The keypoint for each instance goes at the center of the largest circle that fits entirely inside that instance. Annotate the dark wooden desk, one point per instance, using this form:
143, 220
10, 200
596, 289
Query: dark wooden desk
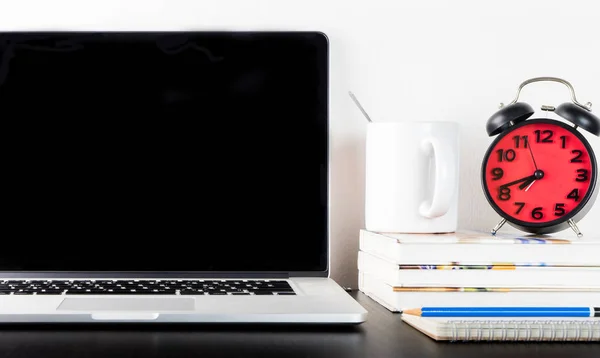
383, 335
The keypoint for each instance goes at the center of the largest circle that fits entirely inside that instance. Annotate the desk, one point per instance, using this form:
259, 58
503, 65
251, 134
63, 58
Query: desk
383, 335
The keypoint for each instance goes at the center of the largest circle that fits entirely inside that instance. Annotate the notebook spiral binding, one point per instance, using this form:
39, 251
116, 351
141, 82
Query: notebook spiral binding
525, 330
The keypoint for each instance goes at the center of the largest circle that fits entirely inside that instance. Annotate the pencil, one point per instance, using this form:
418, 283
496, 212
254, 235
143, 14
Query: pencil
504, 312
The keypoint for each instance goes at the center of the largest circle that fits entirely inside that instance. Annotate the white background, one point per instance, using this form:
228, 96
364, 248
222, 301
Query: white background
405, 60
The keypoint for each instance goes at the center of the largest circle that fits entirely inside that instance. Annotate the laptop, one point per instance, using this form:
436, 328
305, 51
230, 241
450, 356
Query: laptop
166, 177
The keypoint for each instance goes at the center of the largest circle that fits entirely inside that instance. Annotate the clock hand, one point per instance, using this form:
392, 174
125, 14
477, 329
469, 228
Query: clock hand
530, 185
525, 184
539, 174
526, 179
532, 157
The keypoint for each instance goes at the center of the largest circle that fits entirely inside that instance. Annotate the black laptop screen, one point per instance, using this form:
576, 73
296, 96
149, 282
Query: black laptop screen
164, 151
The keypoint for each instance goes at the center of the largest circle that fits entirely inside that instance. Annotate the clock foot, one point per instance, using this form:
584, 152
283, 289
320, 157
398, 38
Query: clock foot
498, 226
575, 228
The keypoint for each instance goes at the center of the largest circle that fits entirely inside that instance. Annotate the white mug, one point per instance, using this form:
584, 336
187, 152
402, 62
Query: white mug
412, 174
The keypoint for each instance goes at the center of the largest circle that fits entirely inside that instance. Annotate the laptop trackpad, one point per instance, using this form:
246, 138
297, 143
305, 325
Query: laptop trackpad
156, 304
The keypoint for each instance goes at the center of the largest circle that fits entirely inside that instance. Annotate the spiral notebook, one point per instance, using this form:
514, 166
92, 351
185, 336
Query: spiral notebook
501, 329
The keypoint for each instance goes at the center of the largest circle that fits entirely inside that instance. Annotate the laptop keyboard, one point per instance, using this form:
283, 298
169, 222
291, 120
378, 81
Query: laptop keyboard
145, 287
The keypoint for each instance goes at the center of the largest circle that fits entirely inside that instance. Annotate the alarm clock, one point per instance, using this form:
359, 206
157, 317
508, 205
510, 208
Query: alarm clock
540, 175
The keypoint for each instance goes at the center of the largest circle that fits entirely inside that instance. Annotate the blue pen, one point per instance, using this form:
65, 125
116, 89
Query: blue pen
504, 312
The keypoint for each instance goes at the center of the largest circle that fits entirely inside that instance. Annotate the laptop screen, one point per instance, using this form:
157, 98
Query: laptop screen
164, 151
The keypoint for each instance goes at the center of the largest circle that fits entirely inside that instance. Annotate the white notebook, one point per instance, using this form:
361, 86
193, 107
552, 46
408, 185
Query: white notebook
499, 329
478, 248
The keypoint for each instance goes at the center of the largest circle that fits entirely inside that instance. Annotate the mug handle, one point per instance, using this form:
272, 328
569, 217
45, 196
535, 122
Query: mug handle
445, 177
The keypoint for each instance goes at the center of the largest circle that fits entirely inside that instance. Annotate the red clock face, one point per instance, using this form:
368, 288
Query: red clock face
538, 172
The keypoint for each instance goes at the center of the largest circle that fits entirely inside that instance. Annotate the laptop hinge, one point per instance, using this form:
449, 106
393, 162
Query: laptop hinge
141, 275
309, 274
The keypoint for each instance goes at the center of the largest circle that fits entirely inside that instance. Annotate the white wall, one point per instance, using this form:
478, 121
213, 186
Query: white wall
405, 60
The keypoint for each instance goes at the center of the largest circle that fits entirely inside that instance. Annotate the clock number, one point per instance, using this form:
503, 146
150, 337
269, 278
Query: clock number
548, 136
509, 155
498, 173
504, 194
574, 194
520, 205
563, 140
518, 140
578, 155
537, 213
559, 209
582, 175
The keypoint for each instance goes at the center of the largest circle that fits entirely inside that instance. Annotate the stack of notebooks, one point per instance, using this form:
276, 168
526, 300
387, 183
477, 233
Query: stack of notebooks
475, 269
